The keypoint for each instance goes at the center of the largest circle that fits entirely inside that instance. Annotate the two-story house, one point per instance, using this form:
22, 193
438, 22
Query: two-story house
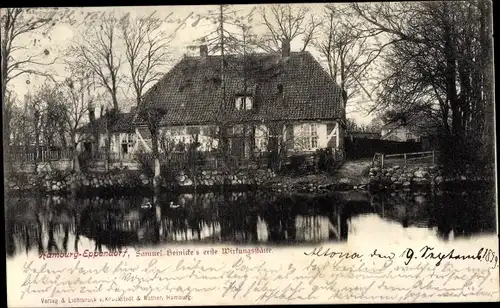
260, 102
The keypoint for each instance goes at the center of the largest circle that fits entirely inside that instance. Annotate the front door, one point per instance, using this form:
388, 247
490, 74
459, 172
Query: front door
238, 147
87, 147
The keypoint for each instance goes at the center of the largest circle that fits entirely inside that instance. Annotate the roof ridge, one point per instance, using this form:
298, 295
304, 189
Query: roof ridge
240, 55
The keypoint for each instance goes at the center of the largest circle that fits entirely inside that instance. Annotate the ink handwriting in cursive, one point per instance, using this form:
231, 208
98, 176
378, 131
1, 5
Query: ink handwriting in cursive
328, 275
429, 253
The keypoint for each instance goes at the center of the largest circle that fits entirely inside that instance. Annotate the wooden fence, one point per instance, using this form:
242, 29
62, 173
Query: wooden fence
428, 157
207, 160
41, 156
114, 157
176, 160
357, 148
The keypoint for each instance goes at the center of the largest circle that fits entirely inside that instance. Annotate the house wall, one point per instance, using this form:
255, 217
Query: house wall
398, 134
115, 146
328, 135
261, 138
297, 138
188, 134
118, 138
172, 136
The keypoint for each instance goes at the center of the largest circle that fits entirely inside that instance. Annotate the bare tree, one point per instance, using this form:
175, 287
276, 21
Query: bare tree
52, 124
77, 98
347, 50
17, 116
287, 22
153, 117
96, 51
146, 50
232, 36
34, 109
438, 66
17, 60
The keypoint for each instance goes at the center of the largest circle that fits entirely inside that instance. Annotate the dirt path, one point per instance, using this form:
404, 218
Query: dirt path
355, 170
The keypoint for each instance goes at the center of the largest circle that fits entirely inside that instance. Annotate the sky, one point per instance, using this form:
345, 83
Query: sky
185, 22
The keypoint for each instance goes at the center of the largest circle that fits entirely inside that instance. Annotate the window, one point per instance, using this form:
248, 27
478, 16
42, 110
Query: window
261, 144
244, 102
193, 130
130, 138
261, 134
314, 135
177, 131
128, 143
309, 134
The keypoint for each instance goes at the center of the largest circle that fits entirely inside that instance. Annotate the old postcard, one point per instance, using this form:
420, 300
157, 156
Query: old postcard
249, 154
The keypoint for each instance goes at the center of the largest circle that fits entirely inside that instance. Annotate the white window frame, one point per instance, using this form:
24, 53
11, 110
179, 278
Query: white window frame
178, 130
310, 137
129, 140
261, 138
244, 102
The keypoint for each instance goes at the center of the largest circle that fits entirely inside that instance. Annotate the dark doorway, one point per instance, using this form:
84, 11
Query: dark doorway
87, 147
124, 148
238, 147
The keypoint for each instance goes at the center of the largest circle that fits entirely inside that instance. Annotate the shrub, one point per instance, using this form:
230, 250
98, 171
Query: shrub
84, 159
459, 155
147, 163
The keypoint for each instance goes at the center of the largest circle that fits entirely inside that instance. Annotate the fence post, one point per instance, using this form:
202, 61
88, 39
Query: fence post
382, 161
405, 158
433, 158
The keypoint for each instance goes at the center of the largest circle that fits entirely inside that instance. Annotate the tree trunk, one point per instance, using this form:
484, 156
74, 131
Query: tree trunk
76, 162
450, 73
106, 144
64, 145
486, 23
115, 101
37, 146
5, 105
156, 157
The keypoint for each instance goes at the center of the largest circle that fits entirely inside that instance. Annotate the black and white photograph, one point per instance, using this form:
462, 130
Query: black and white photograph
272, 125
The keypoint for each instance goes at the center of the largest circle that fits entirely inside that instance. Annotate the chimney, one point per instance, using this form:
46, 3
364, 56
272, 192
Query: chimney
285, 49
203, 51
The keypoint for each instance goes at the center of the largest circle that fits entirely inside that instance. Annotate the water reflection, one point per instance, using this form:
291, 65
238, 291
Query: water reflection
58, 224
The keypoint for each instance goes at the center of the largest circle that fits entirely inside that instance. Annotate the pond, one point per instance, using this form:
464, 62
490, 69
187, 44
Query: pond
37, 224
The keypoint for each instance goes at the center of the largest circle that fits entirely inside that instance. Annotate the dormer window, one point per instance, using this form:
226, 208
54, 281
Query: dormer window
244, 102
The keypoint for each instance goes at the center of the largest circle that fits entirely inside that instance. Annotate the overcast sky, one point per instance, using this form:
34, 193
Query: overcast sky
186, 22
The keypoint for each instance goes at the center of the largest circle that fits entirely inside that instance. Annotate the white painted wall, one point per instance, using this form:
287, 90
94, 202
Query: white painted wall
180, 133
261, 137
301, 139
118, 138
398, 134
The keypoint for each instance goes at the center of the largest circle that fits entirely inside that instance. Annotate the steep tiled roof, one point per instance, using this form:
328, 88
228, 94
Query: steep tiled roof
120, 123
293, 88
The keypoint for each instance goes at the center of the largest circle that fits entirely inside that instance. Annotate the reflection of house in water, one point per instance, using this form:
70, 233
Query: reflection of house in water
316, 228
234, 217
59, 224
